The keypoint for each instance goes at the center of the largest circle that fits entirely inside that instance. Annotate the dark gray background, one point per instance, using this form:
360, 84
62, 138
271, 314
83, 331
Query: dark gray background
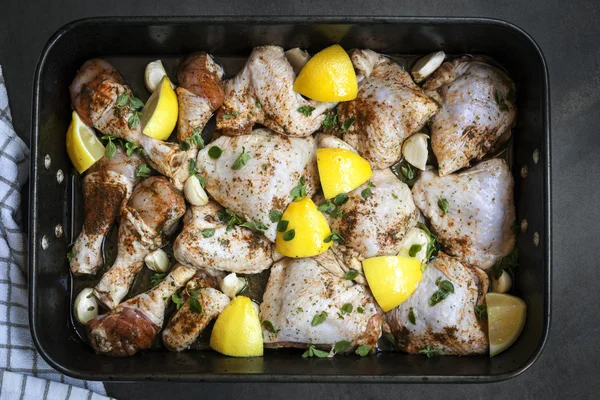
568, 33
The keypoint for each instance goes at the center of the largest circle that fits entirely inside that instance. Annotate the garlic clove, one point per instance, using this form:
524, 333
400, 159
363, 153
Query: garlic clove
297, 58
158, 261
427, 65
85, 306
414, 150
415, 237
194, 193
502, 284
231, 285
153, 75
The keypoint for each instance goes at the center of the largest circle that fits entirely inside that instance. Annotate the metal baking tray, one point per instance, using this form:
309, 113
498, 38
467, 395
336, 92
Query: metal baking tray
56, 214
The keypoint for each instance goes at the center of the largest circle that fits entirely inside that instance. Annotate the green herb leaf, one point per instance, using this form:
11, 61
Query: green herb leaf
208, 233
282, 225
340, 346
257, 104
433, 246
443, 204
306, 110
390, 338
330, 120
405, 172
337, 213
123, 100
70, 252
134, 121
414, 249
269, 326
333, 236
185, 145
447, 286
196, 137
201, 180
347, 308
411, 316
481, 312
215, 152
192, 167
229, 116
195, 305
363, 350
499, 97
275, 216
136, 103
508, 263
365, 193
241, 160
319, 318
351, 274
142, 171
320, 353
326, 207
229, 217
299, 191
289, 235
111, 149
309, 352
156, 278
340, 199
176, 297
130, 148
423, 267
438, 296
347, 124
360, 310
255, 226
431, 351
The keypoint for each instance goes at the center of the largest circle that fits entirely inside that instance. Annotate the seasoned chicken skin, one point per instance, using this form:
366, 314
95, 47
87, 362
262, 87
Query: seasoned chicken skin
148, 218
300, 289
476, 115
388, 109
481, 211
106, 187
132, 325
450, 325
274, 167
262, 92
206, 242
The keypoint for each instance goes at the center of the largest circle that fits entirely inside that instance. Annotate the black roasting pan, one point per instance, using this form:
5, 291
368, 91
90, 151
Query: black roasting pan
56, 217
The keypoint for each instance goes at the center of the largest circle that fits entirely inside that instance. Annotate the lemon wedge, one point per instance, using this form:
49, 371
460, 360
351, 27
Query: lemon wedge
392, 279
328, 76
159, 116
237, 331
83, 146
341, 171
506, 319
414, 150
302, 230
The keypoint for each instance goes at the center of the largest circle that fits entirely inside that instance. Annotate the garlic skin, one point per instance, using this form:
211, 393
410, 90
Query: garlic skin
194, 193
231, 285
427, 65
158, 261
502, 284
414, 150
85, 306
153, 74
297, 58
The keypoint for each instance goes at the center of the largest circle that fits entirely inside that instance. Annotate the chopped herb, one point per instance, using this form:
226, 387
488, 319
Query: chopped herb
330, 120
499, 97
414, 249
136, 103
360, 310
192, 167
215, 152
156, 278
340, 346
111, 149
196, 138
306, 110
229, 116
363, 350
131, 147
390, 338
351, 274
241, 160
176, 297
195, 305
229, 217
275, 216
312, 352
92, 308
319, 318
443, 204
405, 172
481, 312
346, 308
411, 316
340, 199
431, 351
282, 225
289, 235
326, 207
344, 126
333, 236
269, 326
123, 100
433, 246
508, 263
208, 233
299, 191
142, 171
134, 121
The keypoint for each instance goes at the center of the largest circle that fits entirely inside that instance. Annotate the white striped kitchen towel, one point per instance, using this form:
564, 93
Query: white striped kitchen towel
23, 372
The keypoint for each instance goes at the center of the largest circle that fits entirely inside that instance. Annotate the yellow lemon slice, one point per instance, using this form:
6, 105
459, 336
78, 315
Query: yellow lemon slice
83, 146
392, 279
237, 331
302, 231
328, 76
341, 171
159, 116
506, 319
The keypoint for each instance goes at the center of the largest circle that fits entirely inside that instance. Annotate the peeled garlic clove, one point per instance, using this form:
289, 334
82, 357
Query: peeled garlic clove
426, 65
194, 193
85, 306
154, 74
158, 261
414, 150
415, 237
502, 284
297, 58
231, 285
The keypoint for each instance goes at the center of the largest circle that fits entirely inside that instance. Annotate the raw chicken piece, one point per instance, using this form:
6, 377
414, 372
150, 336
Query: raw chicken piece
200, 93
187, 324
106, 187
388, 109
236, 250
262, 92
148, 218
274, 168
94, 94
376, 225
481, 211
300, 289
450, 325
328, 141
477, 111
132, 326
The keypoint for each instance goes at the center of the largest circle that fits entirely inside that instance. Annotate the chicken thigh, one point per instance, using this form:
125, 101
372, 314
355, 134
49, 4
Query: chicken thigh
106, 187
207, 242
132, 325
449, 324
147, 220
388, 109
300, 293
476, 115
262, 92
273, 166
477, 227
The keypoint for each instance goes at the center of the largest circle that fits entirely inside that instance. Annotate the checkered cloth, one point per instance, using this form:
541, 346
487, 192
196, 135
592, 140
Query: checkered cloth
23, 373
